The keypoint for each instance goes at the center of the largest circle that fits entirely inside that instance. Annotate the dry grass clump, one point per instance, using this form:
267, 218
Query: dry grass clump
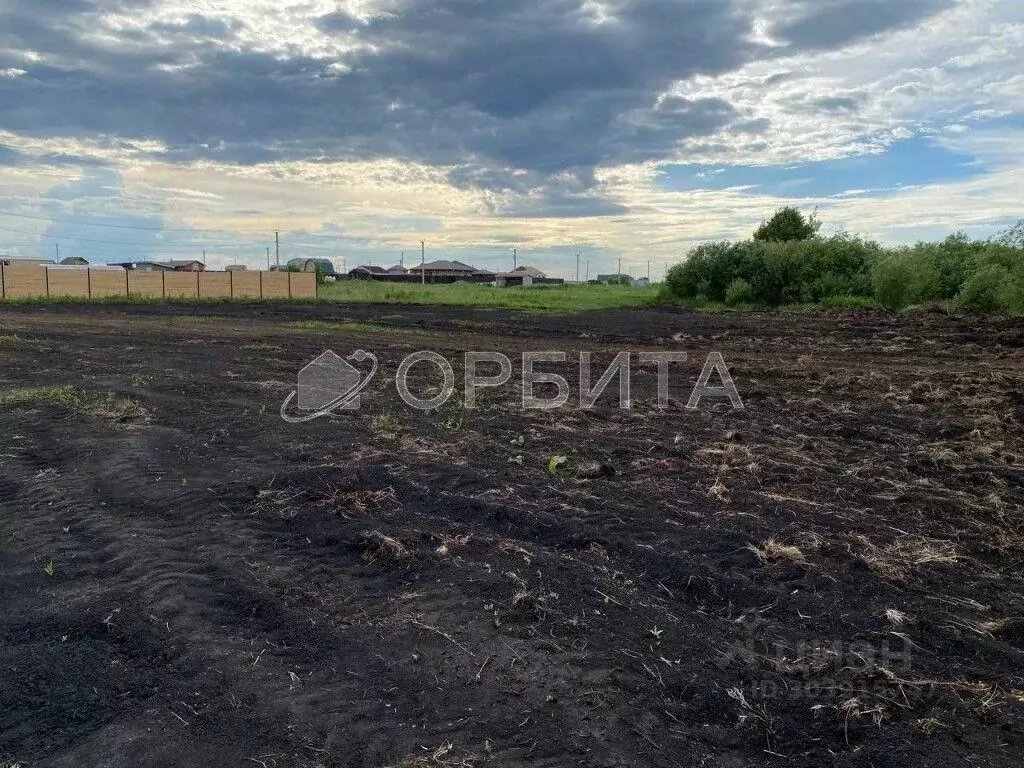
450, 544
350, 504
771, 550
896, 617
728, 457
900, 557
378, 546
718, 492
108, 406
444, 756
1010, 629
112, 407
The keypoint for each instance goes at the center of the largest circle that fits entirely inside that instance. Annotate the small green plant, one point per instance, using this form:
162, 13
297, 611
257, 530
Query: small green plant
140, 380
555, 463
10, 339
655, 632
388, 424
48, 569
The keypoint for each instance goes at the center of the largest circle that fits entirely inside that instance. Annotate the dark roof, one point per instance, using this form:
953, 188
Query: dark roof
371, 270
396, 268
444, 265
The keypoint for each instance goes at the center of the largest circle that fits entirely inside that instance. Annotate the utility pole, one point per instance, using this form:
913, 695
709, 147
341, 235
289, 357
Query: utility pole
204, 257
648, 270
57, 260
277, 249
515, 258
588, 270
423, 261
401, 260
577, 269
619, 274
268, 257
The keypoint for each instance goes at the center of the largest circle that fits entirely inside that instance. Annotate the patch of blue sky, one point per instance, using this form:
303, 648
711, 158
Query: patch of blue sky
908, 163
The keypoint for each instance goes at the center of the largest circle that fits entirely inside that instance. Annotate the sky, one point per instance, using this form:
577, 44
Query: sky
371, 131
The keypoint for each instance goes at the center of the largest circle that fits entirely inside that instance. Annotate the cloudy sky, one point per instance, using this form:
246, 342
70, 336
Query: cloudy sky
627, 129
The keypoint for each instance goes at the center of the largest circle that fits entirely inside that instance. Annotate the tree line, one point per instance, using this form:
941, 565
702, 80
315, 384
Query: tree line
788, 262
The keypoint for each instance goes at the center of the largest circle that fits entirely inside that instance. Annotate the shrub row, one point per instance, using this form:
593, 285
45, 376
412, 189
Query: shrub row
847, 271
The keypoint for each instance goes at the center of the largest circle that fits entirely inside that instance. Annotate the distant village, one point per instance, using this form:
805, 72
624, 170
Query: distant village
442, 271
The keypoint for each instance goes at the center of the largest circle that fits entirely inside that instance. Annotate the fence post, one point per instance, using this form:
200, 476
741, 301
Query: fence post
163, 284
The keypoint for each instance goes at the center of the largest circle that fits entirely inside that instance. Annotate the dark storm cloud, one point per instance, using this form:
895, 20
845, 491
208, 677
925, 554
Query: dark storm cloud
485, 85
821, 24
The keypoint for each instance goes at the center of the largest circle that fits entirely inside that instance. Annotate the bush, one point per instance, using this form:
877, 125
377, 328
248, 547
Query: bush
848, 268
905, 277
739, 292
987, 290
778, 273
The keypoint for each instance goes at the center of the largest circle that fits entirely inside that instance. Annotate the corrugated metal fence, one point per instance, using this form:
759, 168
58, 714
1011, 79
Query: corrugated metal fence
32, 281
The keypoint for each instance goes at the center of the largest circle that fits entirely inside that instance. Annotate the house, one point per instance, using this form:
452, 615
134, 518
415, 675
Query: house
523, 275
368, 273
615, 279
398, 269
443, 269
174, 265
323, 266
235, 268
74, 261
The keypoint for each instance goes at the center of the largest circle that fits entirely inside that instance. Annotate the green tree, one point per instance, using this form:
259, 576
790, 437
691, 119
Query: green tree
788, 224
987, 290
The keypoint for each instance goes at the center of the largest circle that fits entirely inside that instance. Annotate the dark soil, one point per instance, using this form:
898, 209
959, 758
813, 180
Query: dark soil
198, 583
